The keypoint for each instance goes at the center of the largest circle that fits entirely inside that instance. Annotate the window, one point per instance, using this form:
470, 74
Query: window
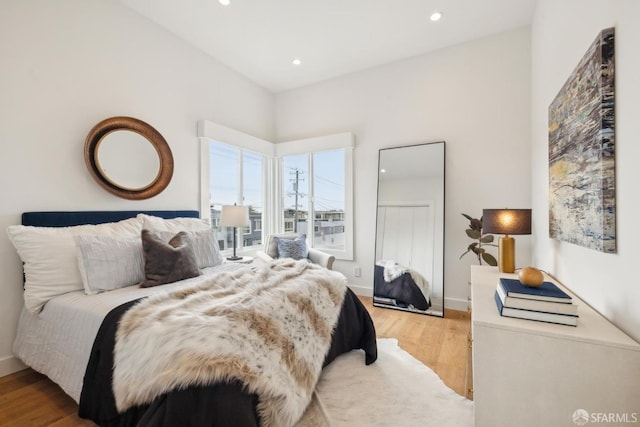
316, 203
316, 196
235, 177
304, 186
329, 200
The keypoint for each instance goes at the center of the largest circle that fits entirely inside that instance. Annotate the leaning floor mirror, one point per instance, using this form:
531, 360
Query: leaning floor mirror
409, 264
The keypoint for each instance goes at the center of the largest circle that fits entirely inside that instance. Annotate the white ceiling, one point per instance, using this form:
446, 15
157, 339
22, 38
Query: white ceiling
260, 38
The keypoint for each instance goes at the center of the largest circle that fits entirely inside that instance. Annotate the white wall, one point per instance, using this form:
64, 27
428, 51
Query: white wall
474, 96
561, 33
68, 64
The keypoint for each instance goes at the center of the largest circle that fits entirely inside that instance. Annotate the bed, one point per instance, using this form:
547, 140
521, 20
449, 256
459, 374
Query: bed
76, 336
399, 287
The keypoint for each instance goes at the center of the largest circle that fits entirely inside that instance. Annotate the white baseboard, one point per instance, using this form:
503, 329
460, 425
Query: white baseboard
456, 304
9, 365
361, 290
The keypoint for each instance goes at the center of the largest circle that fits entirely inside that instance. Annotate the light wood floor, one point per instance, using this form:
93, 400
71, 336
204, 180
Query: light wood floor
28, 398
439, 343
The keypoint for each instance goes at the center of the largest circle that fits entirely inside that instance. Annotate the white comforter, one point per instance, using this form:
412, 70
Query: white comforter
57, 342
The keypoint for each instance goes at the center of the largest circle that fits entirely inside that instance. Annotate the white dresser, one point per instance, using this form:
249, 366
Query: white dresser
528, 373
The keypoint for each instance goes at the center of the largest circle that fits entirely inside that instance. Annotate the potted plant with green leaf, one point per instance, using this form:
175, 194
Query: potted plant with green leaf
475, 232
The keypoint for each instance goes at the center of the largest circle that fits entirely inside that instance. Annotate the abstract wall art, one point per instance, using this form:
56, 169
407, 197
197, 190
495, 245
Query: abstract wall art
582, 204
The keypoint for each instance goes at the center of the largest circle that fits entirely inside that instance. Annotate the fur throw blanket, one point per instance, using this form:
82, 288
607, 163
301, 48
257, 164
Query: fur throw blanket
270, 329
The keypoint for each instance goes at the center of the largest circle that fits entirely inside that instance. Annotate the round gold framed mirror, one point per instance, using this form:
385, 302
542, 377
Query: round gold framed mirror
128, 158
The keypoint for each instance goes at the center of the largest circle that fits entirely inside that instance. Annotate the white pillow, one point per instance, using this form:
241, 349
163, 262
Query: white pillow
204, 245
50, 260
107, 263
176, 225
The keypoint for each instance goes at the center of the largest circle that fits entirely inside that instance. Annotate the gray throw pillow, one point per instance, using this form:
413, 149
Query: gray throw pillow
292, 248
204, 244
167, 262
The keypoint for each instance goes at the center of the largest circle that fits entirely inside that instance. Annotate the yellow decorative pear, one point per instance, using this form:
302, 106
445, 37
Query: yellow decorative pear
531, 276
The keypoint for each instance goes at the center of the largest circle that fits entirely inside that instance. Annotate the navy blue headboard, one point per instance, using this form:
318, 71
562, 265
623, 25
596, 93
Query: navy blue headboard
70, 218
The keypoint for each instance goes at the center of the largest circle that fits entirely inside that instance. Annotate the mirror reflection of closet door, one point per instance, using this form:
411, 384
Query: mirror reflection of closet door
409, 264
406, 236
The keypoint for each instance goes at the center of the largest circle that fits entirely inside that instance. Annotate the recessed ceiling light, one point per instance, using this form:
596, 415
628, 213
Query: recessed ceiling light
225, 2
436, 16
296, 61
383, 171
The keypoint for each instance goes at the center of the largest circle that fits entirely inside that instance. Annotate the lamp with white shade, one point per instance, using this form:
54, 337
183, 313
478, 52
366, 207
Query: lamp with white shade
234, 216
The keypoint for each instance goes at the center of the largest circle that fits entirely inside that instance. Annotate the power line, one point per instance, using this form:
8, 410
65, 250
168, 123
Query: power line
329, 181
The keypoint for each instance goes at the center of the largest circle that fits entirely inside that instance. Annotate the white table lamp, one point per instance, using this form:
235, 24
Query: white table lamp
234, 216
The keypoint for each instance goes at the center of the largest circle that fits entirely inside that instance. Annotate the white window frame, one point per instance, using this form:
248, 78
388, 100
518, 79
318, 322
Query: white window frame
310, 146
273, 192
212, 132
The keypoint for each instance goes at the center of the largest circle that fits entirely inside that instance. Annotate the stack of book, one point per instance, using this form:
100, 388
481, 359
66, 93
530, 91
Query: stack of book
546, 303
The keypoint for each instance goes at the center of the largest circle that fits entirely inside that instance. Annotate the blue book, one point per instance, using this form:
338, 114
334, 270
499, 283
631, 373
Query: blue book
561, 319
536, 305
545, 292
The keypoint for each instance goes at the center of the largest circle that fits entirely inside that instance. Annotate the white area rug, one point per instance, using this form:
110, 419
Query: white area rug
397, 390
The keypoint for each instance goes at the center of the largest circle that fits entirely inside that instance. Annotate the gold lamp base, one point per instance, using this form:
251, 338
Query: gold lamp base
507, 254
